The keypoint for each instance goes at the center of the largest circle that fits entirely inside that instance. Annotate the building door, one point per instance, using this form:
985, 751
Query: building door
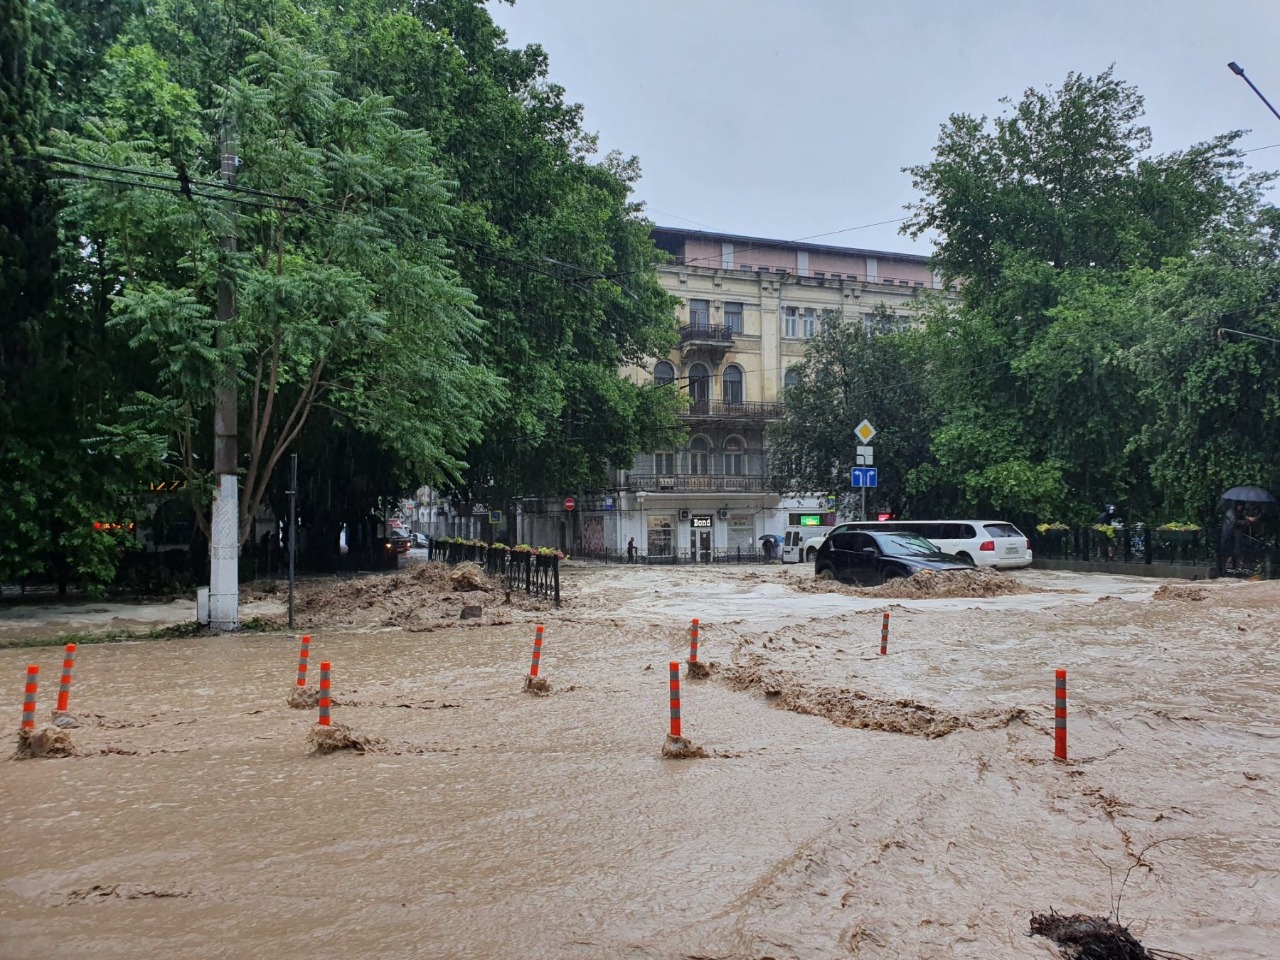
700, 545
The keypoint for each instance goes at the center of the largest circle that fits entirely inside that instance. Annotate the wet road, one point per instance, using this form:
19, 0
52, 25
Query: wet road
496, 824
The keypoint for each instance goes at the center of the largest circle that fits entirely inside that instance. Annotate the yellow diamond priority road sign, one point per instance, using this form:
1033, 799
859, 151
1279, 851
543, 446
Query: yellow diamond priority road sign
865, 431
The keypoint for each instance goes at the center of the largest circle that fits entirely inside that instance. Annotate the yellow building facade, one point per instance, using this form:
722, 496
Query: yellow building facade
747, 307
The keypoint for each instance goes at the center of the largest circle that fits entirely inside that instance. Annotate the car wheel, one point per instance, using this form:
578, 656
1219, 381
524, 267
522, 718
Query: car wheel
893, 575
826, 573
810, 555
966, 558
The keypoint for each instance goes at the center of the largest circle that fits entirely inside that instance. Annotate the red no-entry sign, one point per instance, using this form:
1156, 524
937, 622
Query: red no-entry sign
569, 503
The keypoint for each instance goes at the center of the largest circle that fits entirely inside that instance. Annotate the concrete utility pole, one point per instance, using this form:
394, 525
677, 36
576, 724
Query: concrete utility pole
224, 527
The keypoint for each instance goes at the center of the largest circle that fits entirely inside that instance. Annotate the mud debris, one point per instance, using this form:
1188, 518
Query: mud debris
422, 598
701, 669
304, 698
929, 585
538, 686
45, 742
341, 737
1168, 591
678, 748
861, 711
469, 577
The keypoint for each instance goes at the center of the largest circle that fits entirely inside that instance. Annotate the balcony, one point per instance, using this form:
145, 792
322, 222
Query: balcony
743, 410
652, 483
712, 341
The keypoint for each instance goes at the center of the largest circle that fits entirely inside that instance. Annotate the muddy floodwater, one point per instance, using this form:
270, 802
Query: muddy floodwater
850, 804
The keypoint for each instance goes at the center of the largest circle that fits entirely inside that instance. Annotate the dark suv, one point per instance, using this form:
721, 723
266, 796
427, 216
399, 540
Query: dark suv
868, 559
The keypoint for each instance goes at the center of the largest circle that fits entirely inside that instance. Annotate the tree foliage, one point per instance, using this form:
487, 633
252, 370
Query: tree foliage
1080, 364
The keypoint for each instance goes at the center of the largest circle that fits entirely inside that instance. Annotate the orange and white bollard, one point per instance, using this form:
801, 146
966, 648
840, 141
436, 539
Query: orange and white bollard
29, 698
1060, 715
324, 693
64, 688
302, 660
693, 641
537, 653
675, 698
884, 634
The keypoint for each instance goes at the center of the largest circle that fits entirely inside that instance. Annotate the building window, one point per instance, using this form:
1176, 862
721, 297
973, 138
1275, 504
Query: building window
699, 456
659, 543
731, 384
664, 373
790, 322
810, 321
802, 262
733, 316
700, 314
734, 457
664, 463
790, 379
726, 256
699, 382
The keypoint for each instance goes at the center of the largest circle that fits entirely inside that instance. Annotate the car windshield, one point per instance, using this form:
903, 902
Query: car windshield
905, 545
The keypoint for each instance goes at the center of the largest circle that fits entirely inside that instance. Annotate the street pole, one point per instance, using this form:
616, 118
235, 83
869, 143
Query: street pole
293, 529
224, 537
1239, 72
863, 518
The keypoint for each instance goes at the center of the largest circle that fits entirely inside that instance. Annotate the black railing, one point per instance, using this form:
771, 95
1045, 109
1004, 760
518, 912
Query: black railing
708, 484
733, 555
536, 574
1142, 543
706, 333
744, 409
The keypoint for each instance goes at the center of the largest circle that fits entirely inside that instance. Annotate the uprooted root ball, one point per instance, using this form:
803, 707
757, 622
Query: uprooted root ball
1083, 937
45, 742
339, 737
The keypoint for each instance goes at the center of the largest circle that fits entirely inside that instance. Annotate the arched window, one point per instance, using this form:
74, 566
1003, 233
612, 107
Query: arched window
664, 373
790, 379
699, 382
735, 452
699, 456
664, 463
731, 384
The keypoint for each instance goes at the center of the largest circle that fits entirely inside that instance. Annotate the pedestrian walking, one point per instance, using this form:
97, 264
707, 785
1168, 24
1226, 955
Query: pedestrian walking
631, 550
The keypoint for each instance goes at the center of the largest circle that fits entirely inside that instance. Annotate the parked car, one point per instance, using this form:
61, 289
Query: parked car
419, 540
984, 543
870, 559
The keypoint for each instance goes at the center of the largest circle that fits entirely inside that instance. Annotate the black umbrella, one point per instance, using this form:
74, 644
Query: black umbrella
1247, 495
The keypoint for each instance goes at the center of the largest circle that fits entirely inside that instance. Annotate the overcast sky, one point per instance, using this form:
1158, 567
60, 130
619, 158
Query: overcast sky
791, 118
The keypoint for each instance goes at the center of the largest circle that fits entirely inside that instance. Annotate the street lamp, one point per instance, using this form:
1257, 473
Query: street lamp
1239, 72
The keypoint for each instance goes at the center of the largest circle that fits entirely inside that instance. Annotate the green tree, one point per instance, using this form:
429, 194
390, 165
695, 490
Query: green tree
345, 299
1215, 414
55, 365
1051, 215
849, 374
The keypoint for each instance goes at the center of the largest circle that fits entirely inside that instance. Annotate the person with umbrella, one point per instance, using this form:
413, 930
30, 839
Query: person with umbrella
1245, 509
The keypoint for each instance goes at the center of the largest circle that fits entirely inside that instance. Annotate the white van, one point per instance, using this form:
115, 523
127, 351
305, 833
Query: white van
800, 544
984, 543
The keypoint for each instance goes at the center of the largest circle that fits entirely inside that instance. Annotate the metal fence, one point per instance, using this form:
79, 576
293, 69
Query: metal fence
536, 574
1139, 543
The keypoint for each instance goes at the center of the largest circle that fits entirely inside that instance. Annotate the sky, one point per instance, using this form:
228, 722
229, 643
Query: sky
793, 118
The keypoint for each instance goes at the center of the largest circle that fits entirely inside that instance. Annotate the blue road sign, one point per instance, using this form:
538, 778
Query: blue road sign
863, 476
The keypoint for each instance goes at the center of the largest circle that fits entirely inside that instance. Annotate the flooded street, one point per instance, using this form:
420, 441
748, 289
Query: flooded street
904, 806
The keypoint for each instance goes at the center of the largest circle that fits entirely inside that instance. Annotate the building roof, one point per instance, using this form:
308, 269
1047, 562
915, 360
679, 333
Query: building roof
787, 244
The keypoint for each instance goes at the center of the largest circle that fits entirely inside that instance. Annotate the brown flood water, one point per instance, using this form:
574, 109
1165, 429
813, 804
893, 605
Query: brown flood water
496, 824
